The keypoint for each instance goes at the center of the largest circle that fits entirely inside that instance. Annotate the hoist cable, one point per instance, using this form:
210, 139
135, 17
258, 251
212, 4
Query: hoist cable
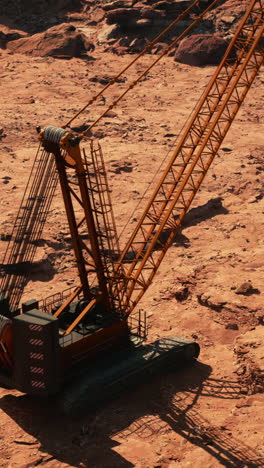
147, 48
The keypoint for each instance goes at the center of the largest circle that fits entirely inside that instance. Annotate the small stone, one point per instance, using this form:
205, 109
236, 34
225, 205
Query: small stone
244, 390
143, 23
182, 293
246, 289
137, 45
260, 317
108, 32
5, 237
243, 402
216, 303
2, 133
252, 199
27, 100
111, 113
231, 326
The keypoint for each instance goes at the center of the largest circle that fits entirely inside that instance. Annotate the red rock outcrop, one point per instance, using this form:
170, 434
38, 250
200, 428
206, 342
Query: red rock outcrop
8, 34
122, 16
62, 41
201, 49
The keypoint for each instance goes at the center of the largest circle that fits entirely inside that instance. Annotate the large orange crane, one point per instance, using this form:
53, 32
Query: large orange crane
88, 329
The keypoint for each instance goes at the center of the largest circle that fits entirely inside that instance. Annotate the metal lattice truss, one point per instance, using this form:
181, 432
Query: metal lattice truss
191, 160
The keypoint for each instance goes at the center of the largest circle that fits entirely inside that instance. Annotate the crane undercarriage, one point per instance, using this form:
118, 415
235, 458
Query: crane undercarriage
95, 362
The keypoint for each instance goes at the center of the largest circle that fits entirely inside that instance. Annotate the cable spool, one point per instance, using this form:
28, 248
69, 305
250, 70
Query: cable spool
53, 134
61, 142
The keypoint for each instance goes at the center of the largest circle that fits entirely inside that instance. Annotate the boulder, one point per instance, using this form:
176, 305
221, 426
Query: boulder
141, 5
137, 45
151, 14
122, 16
159, 47
172, 8
182, 293
201, 49
95, 16
8, 34
118, 4
61, 41
107, 33
247, 289
118, 50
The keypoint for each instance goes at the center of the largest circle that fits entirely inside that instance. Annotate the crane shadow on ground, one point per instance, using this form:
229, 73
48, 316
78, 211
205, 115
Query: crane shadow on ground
167, 403
42, 270
209, 210
197, 215
15, 277
194, 217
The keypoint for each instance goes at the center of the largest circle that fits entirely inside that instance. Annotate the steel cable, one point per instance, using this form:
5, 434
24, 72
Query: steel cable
147, 48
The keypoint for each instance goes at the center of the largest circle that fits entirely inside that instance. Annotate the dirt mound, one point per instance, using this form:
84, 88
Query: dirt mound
62, 41
201, 49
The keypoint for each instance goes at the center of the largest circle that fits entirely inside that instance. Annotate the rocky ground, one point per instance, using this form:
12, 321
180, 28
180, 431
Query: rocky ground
210, 284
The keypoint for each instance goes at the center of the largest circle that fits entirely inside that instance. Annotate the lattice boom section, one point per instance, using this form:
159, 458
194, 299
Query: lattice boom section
192, 158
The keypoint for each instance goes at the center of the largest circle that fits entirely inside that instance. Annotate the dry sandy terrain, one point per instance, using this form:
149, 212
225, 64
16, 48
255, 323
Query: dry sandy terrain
209, 415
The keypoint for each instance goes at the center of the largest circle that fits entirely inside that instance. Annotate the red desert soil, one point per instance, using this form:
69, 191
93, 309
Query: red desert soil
208, 415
